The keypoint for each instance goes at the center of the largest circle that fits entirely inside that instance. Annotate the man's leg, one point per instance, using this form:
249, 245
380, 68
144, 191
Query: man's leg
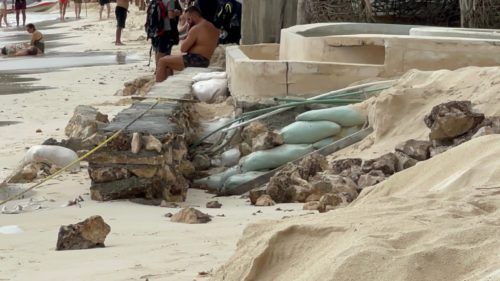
24, 17
108, 6
118, 36
167, 65
17, 16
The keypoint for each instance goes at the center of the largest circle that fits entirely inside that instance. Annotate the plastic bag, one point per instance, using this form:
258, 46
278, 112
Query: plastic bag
237, 180
209, 75
53, 155
345, 116
209, 90
273, 158
308, 132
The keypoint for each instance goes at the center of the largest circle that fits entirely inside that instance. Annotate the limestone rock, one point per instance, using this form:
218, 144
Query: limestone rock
85, 122
265, 200
301, 193
484, 131
245, 149
152, 143
311, 206
255, 194
266, 140
404, 161
201, 162
191, 216
313, 197
89, 142
387, 163
252, 130
416, 149
438, 150
328, 199
214, 205
135, 145
452, 119
107, 174
139, 86
344, 187
372, 178
87, 234
338, 166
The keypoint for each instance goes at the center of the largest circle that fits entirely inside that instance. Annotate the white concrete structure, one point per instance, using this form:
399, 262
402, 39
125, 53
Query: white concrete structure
317, 58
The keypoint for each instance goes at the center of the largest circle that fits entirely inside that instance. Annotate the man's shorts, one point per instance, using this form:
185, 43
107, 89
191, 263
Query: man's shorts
20, 5
162, 44
121, 16
103, 2
195, 60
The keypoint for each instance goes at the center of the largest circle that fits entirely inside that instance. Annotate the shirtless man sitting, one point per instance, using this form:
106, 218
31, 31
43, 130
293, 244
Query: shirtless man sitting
199, 46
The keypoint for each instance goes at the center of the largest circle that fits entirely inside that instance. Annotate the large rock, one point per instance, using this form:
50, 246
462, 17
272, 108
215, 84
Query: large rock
266, 140
416, 149
85, 122
191, 216
452, 119
387, 163
87, 234
253, 130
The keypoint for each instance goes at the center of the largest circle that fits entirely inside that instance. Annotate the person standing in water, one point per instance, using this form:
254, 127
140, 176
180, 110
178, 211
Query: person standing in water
20, 7
3, 12
78, 8
121, 11
103, 3
63, 4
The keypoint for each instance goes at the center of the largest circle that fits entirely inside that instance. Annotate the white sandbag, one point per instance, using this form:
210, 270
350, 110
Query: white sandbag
345, 116
209, 90
230, 157
215, 182
212, 125
239, 179
301, 132
10, 229
273, 158
57, 156
209, 75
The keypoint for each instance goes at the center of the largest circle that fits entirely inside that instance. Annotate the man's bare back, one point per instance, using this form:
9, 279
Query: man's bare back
122, 3
202, 39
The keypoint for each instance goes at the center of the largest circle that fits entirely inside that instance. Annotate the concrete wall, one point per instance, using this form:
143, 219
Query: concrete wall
263, 20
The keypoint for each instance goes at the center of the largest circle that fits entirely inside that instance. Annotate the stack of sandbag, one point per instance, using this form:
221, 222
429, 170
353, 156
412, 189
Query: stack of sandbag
210, 87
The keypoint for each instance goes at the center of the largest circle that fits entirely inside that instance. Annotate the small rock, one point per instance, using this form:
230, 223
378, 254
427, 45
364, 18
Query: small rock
168, 215
255, 194
313, 197
214, 205
338, 166
265, 200
416, 149
387, 163
404, 161
38, 130
191, 216
245, 149
87, 234
266, 140
438, 150
328, 199
311, 206
252, 130
201, 162
152, 143
221, 215
372, 178
135, 145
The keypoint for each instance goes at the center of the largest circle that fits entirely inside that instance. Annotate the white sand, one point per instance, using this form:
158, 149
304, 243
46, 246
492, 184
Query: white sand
143, 244
438, 220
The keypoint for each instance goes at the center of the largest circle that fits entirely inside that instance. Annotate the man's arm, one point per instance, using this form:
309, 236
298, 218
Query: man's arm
190, 40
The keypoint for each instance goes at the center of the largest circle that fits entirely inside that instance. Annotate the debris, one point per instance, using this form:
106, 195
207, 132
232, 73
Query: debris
265, 200
452, 119
135, 145
191, 216
75, 202
87, 234
214, 205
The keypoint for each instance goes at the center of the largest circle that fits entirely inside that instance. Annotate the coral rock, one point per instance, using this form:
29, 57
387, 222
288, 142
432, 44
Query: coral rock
190, 216
87, 234
265, 200
416, 149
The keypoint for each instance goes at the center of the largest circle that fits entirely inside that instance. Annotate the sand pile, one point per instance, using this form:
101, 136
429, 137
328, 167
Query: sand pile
438, 220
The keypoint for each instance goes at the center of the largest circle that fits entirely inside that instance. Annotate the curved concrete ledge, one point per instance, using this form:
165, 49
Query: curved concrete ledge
489, 34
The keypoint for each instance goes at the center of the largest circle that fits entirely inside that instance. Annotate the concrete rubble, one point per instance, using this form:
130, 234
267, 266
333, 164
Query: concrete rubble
86, 234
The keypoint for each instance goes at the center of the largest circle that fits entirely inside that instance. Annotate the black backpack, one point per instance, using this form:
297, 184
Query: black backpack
155, 19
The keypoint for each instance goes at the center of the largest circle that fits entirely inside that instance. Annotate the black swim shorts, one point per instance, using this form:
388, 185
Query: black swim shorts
121, 16
103, 2
162, 44
195, 60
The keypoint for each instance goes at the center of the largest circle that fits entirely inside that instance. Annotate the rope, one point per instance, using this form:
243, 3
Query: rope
92, 151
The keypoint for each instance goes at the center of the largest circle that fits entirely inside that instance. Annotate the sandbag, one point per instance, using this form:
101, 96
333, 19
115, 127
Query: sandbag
239, 179
343, 133
53, 155
230, 157
345, 116
209, 90
273, 158
304, 132
209, 75
215, 182
212, 125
